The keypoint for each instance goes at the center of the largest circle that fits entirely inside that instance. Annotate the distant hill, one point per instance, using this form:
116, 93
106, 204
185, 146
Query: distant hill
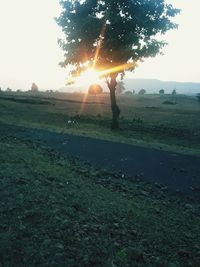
150, 85
153, 86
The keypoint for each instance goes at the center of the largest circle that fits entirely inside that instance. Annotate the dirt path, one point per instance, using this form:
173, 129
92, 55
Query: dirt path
176, 171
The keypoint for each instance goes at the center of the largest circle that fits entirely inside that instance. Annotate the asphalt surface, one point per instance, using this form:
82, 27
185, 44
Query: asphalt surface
176, 171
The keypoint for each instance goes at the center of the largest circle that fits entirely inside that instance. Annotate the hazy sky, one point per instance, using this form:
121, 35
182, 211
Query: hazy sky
29, 51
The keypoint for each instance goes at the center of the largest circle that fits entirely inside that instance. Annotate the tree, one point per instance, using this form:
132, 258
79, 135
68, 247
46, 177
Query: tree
142, 92
128, 93
174, 96
161, 91
111, 36
95, 89
34, 88
174, 92
120, 88
198, 97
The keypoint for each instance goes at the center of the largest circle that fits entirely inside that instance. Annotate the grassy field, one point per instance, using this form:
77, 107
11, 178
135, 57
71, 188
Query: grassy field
145, 120
58, 211
61, 212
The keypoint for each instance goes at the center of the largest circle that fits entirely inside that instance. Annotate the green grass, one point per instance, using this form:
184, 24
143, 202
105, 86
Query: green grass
61, 212
145, 120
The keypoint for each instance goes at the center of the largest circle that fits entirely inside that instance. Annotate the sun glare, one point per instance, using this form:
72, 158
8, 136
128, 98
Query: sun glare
91, 76
88, 77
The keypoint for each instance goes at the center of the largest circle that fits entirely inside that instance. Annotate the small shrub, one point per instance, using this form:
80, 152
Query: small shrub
99, 116
128, 93
198, 97
142, 92
137, 120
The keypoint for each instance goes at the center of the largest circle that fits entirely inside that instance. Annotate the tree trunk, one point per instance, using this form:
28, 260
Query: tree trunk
115, 109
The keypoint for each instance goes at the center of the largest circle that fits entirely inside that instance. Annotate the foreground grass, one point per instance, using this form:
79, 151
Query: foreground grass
145, 120
60, 212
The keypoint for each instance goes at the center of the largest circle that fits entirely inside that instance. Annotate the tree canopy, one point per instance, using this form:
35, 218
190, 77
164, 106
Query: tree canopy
113, 32
95, 89
142, 92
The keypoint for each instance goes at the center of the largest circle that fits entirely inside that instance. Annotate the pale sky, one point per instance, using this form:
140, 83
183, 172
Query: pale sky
29, 51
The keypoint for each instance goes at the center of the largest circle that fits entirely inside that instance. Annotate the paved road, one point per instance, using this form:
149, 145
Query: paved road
176, 171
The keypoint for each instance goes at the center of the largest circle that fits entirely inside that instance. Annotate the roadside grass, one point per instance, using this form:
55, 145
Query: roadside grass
57, 211
144, 121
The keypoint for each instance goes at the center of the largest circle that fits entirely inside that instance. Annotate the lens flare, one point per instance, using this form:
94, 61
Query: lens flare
88, 77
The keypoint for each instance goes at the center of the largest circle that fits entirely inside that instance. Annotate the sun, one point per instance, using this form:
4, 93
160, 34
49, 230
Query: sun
91, 76
88, 77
